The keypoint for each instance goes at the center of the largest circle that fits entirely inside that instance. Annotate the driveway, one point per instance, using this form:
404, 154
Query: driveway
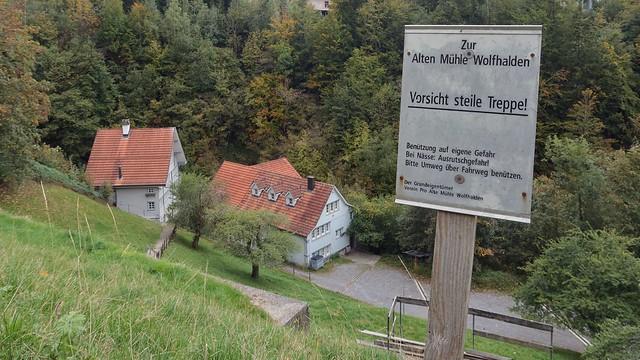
377, 284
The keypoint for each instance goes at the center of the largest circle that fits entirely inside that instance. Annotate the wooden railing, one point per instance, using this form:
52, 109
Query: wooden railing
167, 234
401, 300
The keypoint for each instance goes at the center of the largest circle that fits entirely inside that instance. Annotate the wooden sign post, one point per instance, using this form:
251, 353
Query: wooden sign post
450, 285
465, 148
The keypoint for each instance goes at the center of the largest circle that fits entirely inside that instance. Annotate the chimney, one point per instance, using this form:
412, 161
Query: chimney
126, 126
311, 183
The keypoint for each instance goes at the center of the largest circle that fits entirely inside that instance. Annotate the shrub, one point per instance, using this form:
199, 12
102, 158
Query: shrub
584, 278
615, 342
48, 174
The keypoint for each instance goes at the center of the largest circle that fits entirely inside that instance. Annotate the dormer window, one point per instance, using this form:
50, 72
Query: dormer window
255, 190
290, 200
273, 195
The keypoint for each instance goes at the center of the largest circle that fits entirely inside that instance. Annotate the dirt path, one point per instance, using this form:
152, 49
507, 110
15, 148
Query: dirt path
377, 284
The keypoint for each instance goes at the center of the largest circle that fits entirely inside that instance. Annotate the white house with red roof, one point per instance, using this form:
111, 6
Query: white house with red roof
317, 213
140, 165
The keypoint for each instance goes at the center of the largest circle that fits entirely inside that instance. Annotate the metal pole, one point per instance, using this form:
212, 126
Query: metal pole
401, 311
473, 330
551, 351
388, 331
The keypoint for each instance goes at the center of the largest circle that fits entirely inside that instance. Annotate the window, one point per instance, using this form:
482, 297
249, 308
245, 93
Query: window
273, 196
325, 251
332, 207
151, 190
291, 201
320, 231
151, 205
255, 190
326, 4
340, 232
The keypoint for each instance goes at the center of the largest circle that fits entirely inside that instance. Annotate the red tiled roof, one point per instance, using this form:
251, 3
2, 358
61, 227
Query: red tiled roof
236, 180
280, 166
144, 157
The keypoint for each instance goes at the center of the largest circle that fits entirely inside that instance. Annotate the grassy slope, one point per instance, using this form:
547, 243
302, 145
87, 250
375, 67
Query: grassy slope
331, 312
129, 306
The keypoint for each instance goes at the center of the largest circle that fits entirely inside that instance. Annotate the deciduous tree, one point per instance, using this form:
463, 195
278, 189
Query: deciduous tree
582, 280
23, 100
254, 236
197, 205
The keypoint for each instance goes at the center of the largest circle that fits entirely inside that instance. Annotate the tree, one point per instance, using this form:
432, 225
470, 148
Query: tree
583, 279
245, 16
417, 229
584, 122
276, 111
254, 235
305, 153
368, 160
375, 222
115, 38
331, 45
362, 94
380, 27
624, 178
615, 342
551, 217
577, 172
23, 100
197, 205
254, 59
82, 97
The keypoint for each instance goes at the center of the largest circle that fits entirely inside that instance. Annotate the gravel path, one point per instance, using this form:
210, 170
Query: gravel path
377, 284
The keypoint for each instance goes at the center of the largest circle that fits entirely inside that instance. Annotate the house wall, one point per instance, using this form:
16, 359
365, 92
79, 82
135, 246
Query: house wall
298, 256
164, 194
338, 219
134, 200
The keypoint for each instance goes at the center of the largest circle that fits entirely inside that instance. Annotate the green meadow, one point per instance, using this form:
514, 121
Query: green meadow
75, 282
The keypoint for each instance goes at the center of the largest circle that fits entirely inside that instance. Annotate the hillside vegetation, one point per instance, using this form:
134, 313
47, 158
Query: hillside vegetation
127, 299
69, 294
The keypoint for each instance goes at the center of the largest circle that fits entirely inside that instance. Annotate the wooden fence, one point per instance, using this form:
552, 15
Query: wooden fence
167, 234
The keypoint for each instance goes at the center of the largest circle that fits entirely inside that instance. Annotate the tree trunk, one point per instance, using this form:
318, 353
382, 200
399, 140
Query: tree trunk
255, 270
196, 238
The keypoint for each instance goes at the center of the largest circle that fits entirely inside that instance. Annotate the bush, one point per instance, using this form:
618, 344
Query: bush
106, 190
53, 157
47, 174
615, 342
584, 278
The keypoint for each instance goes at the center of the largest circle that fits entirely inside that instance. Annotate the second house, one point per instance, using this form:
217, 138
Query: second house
318, 215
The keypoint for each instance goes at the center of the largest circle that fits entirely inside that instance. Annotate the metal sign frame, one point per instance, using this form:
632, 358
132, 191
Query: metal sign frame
501, 78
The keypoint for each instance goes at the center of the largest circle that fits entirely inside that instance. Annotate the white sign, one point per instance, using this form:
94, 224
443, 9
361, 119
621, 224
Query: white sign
468, 119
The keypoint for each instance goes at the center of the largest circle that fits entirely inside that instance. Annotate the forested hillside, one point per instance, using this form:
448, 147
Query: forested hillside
251, 80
